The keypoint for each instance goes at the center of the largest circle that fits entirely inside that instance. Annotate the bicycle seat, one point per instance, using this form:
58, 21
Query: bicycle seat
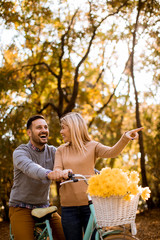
43, 212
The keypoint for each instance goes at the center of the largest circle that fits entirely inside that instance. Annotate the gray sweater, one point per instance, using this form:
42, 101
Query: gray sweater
30, 184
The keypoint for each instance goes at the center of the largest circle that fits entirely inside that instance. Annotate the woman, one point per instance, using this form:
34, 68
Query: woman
79, 153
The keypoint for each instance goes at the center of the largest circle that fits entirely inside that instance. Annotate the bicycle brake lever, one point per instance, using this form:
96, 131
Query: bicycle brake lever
70, 175
74, 179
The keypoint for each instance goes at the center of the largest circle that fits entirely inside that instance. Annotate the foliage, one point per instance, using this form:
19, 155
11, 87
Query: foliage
67, 56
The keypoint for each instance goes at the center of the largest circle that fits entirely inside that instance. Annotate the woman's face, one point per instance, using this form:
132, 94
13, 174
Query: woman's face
65, 133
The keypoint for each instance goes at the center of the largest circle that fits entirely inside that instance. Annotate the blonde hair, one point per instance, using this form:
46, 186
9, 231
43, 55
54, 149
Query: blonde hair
78, 130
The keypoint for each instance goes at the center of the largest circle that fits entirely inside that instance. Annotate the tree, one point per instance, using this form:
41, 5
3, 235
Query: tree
141, 7
151, 119
66, 57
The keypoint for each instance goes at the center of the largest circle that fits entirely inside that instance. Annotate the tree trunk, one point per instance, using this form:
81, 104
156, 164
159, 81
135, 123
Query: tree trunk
6, 210
138, 122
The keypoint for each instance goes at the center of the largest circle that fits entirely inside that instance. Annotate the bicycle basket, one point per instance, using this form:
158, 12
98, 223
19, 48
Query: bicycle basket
114, 211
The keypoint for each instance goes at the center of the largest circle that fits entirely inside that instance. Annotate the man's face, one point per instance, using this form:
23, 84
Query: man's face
38, 133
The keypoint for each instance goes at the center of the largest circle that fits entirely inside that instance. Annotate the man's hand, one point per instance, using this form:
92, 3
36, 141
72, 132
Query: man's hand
55, 175
58, 174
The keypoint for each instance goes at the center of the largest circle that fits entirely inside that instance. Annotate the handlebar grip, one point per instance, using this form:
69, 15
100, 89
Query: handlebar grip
70, 175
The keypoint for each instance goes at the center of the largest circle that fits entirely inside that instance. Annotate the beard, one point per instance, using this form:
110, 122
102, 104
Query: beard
39, 140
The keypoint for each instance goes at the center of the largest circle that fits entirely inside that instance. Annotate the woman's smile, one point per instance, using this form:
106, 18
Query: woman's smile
65, 133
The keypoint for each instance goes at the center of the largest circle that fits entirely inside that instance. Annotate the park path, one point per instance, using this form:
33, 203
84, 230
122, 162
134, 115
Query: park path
148, 226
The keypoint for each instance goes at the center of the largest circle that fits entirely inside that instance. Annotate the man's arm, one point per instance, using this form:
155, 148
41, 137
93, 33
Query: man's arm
23, 162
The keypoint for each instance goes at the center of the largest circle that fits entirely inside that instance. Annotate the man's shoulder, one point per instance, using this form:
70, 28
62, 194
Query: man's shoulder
50, 147
22, 147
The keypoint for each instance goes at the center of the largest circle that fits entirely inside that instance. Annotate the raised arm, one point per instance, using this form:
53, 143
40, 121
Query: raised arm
114, 151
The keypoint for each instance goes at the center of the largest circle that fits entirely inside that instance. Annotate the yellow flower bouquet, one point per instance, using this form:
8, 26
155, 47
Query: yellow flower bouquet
115, 182
115, 195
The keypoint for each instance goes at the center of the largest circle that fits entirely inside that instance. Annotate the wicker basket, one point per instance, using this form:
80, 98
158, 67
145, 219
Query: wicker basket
114, 211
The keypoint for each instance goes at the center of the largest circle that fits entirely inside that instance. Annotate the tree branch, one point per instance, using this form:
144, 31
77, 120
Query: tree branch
105, 105
71, 104
46, 106
61, 96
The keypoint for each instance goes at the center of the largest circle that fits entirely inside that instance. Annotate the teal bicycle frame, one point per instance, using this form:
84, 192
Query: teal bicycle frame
92, 223
43, 234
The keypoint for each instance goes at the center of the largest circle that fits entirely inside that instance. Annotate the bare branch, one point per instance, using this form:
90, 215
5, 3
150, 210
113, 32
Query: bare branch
46, 106
71, 104
106, 104
37, 64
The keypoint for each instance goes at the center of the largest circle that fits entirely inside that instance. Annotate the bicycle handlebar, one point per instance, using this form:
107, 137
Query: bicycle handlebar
77, 177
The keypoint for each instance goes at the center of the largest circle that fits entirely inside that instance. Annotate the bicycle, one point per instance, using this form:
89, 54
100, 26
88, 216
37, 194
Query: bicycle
42, 229
102, 232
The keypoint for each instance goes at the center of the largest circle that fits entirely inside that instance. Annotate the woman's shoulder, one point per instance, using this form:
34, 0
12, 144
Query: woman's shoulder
62, 146
92, 143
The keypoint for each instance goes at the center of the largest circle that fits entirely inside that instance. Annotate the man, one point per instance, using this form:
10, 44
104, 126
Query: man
33, 164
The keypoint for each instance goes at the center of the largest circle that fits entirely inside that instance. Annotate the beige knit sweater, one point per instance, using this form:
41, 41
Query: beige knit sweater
66, 157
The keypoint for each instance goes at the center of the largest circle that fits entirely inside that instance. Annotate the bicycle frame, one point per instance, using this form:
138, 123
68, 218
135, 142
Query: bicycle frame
92, 223
45, 232
39, 235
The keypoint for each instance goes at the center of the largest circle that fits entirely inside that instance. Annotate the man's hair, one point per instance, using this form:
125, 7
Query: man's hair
33, 118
